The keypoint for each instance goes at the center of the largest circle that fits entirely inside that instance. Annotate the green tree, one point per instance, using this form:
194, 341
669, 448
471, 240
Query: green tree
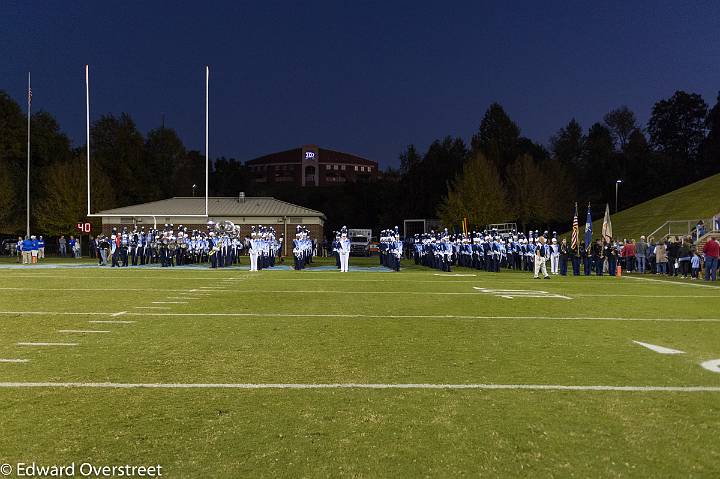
62, 198
532, 192
117, 150
677, 128
600, 166
621, 123
567, 145
12, 165
711, 144
497, 137
164, 157
476, 194
409, 159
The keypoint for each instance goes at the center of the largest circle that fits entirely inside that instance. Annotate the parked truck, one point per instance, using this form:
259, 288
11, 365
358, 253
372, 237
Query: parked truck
360, 239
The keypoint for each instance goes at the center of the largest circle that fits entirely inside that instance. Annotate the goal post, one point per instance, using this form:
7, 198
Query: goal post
90, 214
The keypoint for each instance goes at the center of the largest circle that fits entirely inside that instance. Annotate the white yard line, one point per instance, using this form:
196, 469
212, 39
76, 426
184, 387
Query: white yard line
369, 316
14, 360
46, 344
152, 307
169, 302
659, 349
532, 387
81, 331
112, 322
675, 283
115, 315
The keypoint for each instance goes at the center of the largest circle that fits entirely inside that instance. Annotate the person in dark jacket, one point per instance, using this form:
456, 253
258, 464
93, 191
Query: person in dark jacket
597, 256
684, 255
564, 254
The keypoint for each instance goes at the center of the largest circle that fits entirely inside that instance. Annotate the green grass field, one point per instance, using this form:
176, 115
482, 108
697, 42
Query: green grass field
332, 335
695, 201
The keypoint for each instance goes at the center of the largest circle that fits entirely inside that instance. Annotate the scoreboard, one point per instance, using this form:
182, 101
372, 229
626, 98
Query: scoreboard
84, 228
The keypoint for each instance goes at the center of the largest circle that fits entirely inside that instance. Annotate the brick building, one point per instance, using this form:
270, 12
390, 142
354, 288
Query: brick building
245, 212
312, 166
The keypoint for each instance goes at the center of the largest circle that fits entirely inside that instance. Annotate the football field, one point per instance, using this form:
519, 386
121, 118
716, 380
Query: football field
227, 373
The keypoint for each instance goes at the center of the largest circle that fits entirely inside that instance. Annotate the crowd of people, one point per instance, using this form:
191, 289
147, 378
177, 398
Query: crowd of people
492, 252
222, 245
31, 249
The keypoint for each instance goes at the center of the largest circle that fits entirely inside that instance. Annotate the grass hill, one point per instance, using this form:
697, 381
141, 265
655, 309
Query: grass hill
694, 201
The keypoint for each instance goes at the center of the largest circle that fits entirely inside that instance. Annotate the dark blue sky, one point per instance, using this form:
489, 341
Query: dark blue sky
362, 77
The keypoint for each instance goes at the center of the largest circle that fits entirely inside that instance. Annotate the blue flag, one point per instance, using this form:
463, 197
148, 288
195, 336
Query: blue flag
588, 229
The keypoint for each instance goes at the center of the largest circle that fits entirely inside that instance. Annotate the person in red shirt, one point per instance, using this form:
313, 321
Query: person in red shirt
712, 252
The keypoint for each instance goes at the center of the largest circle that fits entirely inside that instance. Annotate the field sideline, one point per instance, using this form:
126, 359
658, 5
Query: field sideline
227, 373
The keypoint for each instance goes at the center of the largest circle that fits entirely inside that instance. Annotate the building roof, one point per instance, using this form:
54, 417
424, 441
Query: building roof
325, 156
217, 206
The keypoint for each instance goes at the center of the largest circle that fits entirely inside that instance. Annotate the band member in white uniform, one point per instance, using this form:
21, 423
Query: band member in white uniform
254, 250
344, 250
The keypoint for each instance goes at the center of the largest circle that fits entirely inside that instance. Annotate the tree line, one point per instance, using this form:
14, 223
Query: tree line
498, 176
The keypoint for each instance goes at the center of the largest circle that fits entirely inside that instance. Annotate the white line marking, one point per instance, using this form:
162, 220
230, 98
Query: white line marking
659, 349
369, 316
169, 302
46, 344
152, 307
712, 365
454, 275
114, 315
112, 322
518, 293
81, 331
182, 297
675, 283
541, 387
14, 360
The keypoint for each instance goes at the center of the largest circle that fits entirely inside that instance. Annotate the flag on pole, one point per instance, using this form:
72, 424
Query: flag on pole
575, 232
29, 95
588, 230
607, 233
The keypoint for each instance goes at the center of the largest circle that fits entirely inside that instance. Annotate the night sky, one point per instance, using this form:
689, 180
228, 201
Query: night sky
363, 77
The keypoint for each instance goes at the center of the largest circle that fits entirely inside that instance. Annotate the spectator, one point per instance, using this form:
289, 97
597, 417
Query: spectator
62, 247
27, 250
651, 255
672, 253
41, 248
71, 244
695, 264
711, 251
77, 252
91, 247
684, 257
103, 247
641, 255
700, 229
34, 250
661, 258
629, 252
18, 249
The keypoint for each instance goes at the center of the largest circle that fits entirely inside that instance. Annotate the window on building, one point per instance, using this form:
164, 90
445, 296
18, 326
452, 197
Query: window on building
327, 167
342, 167
356, 168
362, 168
335, 167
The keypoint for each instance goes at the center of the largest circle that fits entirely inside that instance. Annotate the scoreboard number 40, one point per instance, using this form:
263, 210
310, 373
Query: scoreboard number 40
84, 227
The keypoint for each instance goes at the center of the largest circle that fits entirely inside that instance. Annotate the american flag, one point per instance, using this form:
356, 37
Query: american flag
29, 95
574, 243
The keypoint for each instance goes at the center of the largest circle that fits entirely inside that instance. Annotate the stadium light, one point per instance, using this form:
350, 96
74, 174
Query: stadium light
617, 185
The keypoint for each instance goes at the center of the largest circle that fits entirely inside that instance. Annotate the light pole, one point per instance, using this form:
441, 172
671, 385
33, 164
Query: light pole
617, 185
195, 186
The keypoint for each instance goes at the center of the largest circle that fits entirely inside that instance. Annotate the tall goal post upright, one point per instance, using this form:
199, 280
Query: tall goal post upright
207, 158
